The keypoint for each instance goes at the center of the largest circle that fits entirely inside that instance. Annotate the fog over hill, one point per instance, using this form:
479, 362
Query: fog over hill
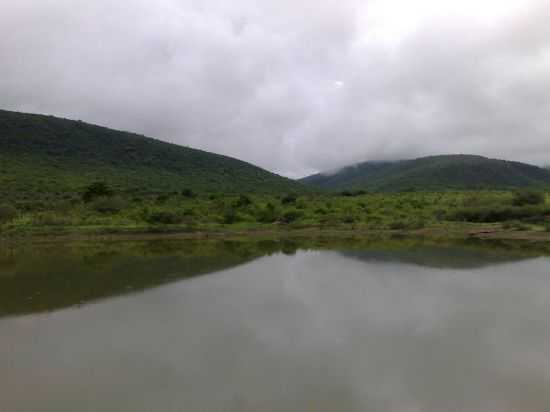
433, 173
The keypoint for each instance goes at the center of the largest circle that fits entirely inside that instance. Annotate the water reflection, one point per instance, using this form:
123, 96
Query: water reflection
310, 330
49, 276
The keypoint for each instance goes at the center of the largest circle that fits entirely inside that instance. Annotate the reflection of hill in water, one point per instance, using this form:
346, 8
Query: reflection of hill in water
438, 257
449, 254
53, 276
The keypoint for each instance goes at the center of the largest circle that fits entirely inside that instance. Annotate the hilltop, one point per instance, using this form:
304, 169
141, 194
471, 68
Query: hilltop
50, 156
433, 173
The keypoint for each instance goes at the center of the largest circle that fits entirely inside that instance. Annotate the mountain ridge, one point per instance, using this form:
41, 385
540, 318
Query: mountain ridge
441, 172
43, 153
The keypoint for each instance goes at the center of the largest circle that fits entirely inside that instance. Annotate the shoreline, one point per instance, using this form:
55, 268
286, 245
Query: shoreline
457, 232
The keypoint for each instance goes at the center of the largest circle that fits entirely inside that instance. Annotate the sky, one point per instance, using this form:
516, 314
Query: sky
293, 86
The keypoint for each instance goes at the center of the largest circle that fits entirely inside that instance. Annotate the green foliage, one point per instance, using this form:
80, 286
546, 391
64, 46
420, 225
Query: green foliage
242, 201
291, 216
435, 173
7, 213
230, 216
528, 197
51, 218
188, 193
109, 204
45, 157
370, 211
352, 193
515, 225
289, 199
96, 190
163, 217
499, 214
398, 225
268, 214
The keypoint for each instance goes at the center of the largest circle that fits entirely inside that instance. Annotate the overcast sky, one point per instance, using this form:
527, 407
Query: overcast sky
295, 86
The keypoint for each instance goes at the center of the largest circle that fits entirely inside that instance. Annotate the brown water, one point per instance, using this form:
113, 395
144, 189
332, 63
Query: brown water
273, 327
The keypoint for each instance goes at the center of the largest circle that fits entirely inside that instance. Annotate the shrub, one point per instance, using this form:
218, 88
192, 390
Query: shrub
291, 216
109, 204
267, 214
230, 216
188, 193
515, 225
163, 198
242, 201
51, 219
499, 214
348, 219
398, 225
349, 193
163, 217
528, 197
288, 199
95, 190
7, 213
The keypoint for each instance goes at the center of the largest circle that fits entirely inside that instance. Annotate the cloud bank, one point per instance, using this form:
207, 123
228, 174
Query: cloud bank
294, 87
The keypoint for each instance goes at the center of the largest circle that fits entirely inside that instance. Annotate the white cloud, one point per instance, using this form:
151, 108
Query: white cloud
293, 87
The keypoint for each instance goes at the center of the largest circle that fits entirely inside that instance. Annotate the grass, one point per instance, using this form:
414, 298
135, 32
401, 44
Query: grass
454, 212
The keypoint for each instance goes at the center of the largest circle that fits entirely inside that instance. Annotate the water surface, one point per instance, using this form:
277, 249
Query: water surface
273, 326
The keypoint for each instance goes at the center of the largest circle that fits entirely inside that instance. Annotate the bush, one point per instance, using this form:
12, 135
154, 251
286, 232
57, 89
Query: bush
230, 216
163, 217
515, 225
96, 190
188, 193
499, 214
107, 205
291, 216
349, 193
7, 213
398, 225
51, 219
528, 197
242, 201
288, 199
348, 219
267, 214
163, 198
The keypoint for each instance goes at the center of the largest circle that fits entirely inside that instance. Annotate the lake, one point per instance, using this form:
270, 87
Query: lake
316, 325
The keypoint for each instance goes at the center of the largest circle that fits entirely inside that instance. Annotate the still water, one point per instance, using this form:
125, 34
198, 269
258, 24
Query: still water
274, 326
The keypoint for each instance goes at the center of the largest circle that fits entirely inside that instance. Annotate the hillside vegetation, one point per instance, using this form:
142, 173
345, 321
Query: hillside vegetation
448, 172
45, 157
448, 211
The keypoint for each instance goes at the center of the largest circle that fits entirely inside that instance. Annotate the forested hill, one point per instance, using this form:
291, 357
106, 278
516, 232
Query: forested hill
433, 173
45, 154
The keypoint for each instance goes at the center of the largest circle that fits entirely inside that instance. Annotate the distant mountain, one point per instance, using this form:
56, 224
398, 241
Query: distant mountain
53, 156
432, 173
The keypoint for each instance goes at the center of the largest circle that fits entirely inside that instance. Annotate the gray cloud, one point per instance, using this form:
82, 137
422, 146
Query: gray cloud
295, 87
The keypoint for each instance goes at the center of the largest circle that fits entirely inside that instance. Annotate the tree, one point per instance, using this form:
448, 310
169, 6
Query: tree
7, 213
528, 197
95, 190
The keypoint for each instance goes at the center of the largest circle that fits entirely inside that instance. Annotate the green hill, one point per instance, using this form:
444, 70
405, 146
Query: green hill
49, 156
432, 173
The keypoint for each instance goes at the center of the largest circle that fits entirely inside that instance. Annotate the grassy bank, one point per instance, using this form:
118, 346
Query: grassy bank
186, 214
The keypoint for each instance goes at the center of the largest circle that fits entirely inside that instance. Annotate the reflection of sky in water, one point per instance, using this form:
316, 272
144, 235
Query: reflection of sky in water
316, 331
